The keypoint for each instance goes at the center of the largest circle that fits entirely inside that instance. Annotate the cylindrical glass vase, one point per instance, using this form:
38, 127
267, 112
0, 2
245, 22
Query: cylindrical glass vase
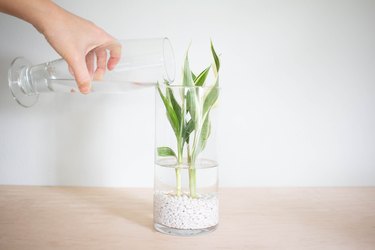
186, 167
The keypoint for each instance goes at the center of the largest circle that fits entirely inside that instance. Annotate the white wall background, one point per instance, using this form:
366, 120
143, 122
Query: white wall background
297, 104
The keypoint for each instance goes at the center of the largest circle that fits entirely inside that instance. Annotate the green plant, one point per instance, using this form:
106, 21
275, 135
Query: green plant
190, 118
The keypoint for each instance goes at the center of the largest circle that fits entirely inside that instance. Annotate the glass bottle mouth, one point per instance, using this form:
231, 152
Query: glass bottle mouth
169, 60
20, 84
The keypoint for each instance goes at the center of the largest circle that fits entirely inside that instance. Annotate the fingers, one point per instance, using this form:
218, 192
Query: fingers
115, 55
101, 61
90, 57
84, 67
81, 73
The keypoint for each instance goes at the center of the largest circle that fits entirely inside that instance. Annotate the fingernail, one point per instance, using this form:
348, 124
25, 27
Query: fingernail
84, 89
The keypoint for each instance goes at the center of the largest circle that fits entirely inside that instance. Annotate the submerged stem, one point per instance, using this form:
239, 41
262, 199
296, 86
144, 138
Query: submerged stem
178, 168
178, 180
192, 174
192, 182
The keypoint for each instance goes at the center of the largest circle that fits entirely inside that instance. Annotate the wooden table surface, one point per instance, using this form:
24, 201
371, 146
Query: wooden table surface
250, 218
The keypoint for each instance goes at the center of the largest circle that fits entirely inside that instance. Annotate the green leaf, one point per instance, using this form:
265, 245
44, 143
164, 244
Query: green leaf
205, 133
187, 79
201, 78
190, 103
190, 95
193, 76
166, 82
175, 105
165, 151
216, 60
210, 99
188, 129
171, 115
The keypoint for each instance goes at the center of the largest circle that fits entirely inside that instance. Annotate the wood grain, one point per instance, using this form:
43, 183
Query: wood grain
250, 218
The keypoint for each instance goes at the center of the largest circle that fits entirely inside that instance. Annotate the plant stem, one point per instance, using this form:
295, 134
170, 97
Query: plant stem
192, 174
180, 147
178, 180
192, 182
178, 170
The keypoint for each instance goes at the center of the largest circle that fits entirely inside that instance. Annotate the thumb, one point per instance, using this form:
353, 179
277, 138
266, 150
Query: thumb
81, 74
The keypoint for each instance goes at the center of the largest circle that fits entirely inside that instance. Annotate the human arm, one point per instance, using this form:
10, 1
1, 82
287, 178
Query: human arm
77, 40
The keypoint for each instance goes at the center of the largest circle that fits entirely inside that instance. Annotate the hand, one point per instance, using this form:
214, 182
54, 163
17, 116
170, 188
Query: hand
80, 42
77, 40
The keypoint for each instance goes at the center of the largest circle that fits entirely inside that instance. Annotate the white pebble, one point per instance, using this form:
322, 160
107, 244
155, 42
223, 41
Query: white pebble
183, 212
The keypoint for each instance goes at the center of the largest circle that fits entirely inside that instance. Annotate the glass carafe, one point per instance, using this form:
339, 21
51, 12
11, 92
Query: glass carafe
143, 63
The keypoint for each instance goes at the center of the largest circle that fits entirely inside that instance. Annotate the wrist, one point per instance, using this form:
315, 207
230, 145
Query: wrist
37, 12
46, 15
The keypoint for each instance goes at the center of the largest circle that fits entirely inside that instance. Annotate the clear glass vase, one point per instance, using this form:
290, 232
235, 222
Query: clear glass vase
186, 167
143, 63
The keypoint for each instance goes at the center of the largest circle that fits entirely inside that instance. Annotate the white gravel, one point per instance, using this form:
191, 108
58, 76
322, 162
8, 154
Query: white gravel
183, 212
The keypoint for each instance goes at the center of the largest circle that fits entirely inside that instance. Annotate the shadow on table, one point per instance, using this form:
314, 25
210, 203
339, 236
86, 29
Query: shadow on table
120, 202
